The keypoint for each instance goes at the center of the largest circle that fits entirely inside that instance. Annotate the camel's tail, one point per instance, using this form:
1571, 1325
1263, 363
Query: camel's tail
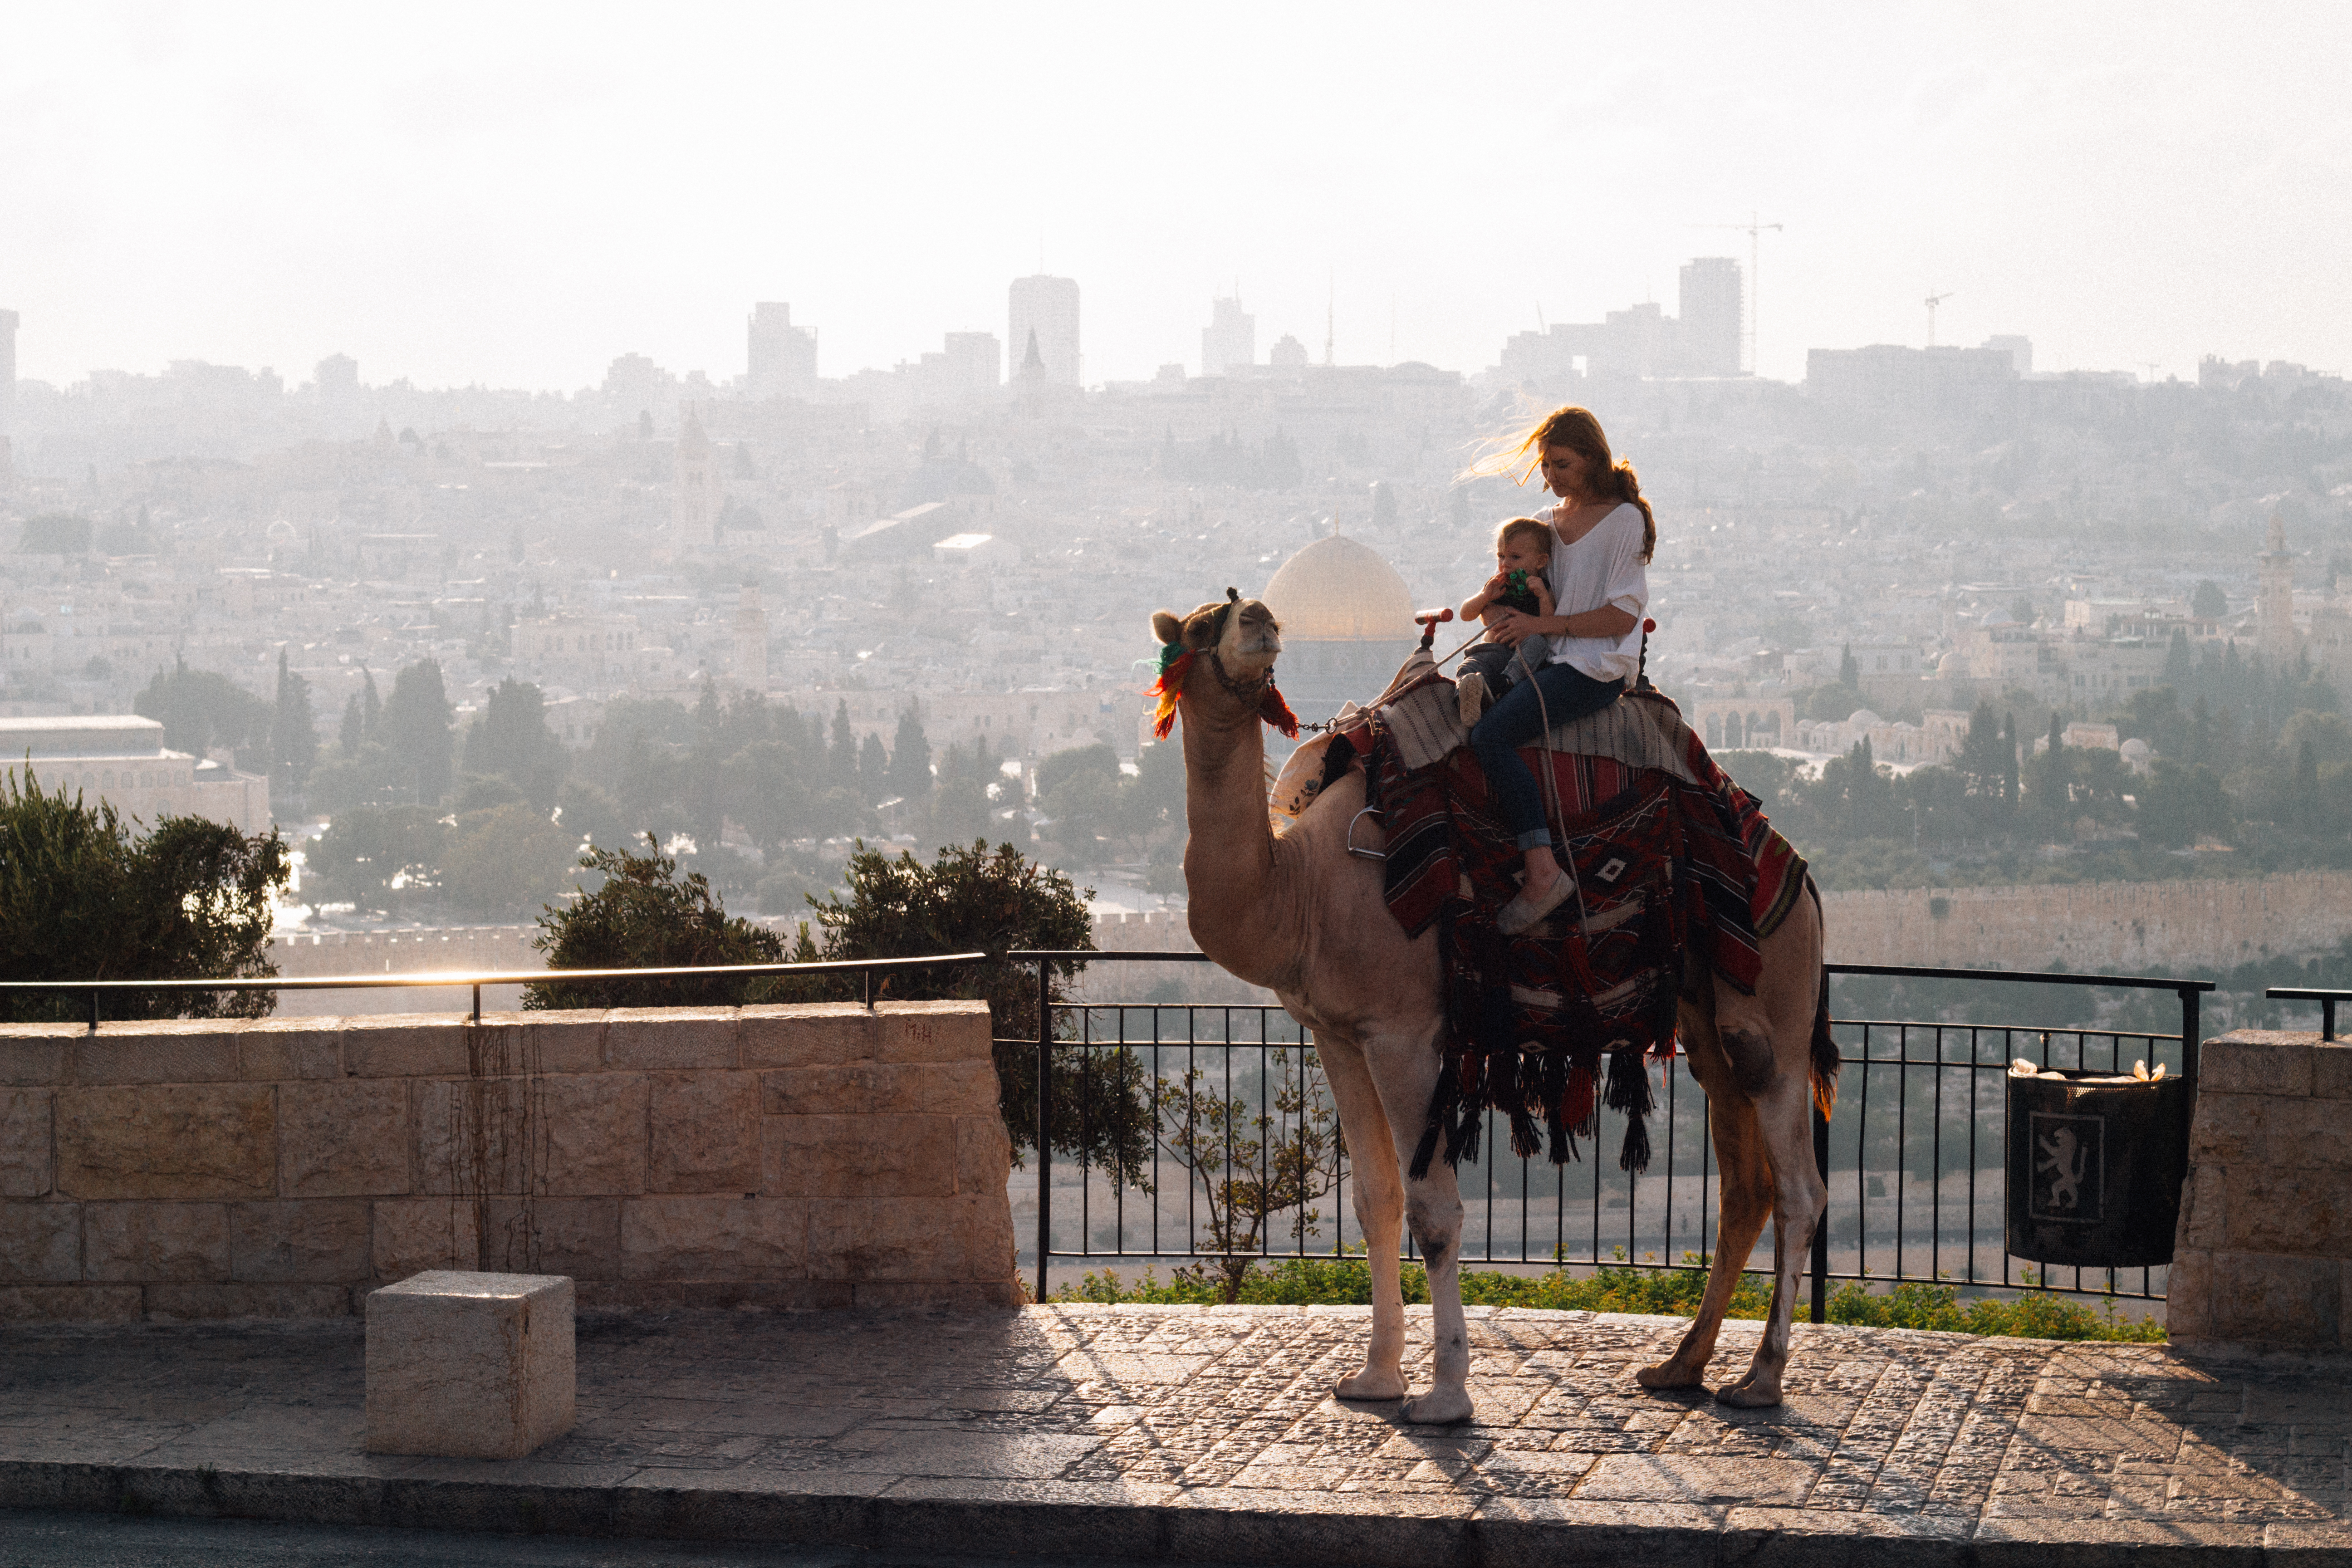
1825, 1054
1826, 1049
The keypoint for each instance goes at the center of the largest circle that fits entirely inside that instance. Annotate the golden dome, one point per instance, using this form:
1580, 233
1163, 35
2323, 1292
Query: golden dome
1336, 590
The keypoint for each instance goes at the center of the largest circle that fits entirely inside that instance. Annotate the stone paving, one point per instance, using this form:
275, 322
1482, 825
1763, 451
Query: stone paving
1211, 1435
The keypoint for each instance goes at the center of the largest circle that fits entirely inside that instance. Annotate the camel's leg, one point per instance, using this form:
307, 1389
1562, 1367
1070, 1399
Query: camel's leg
1799, 1196
1781, 1012
1404, 1068
1379, 1198
1744, 1183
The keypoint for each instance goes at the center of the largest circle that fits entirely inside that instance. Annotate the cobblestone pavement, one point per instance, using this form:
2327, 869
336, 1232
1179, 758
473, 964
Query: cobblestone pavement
1211, 1435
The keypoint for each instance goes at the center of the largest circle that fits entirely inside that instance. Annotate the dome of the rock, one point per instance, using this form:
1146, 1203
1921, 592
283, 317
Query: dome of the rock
1347, 624
1336, 590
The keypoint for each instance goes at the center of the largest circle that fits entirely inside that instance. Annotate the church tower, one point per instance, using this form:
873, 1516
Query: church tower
2275, 622
694, 515
750, 641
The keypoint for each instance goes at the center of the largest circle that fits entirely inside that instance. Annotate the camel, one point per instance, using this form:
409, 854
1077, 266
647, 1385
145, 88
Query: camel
1296, 913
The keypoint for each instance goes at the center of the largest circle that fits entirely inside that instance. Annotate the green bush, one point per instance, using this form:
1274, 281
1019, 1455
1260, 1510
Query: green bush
1619, 1288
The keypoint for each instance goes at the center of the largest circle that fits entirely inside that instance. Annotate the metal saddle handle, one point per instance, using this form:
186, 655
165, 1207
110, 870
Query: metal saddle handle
1359, 853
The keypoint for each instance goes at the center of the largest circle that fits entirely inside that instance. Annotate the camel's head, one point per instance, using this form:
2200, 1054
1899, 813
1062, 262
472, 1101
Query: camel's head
1222, 654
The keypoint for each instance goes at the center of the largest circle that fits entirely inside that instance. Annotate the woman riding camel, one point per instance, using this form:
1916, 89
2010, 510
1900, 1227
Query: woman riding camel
1603, 536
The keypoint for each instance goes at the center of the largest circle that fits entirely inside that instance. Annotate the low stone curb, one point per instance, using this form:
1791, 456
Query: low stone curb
1205, 1525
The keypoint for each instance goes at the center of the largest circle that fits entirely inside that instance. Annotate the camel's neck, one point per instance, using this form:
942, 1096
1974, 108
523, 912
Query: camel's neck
1229, 871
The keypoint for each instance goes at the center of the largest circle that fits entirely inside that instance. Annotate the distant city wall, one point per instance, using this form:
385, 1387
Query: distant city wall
2202, 923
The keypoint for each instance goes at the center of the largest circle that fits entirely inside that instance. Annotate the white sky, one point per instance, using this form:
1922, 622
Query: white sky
514, 194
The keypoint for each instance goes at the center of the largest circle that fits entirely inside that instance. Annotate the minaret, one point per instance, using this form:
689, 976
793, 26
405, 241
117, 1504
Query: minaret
694, 514
2274, 624
750, 641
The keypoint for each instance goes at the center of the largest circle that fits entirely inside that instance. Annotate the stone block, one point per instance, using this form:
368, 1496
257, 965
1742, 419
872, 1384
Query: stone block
2308, 1135
279, 1050
2290, 1212
473, 1136
2331, 1070
869, 1238
577, 1236
198, 1141
71, 1303
2189, 1295
2204, 1209
240, 1299
588, 1137
343, 1138
713, 1238
2256, 1061
2230, 1129
983, 1154
568, 1041
143, 1053
704, 1133
857, 1156
35, 1054
671, 1039
28, 1165
405, 1045
150, 1241
811, 1034
408, 1236
314, 1241
468, 1365
40, 1244
2263, 1299
832, 1089
932, 1031
934, 1088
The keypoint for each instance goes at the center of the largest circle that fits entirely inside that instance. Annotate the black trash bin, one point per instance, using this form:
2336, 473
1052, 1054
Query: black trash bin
2096, 1164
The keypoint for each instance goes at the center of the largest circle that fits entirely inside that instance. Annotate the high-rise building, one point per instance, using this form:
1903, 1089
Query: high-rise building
694, 504
972, 368
338, 378
2020, 350
1048, 307
1288, 353
1230, 339
1711, 317
7, 372
782, 357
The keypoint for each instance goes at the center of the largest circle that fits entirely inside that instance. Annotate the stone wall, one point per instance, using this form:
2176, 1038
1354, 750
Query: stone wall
2264, 1254
2112, 927
809, 1156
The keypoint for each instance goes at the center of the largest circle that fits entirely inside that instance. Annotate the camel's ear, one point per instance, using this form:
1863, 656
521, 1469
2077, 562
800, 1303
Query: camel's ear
1166, 627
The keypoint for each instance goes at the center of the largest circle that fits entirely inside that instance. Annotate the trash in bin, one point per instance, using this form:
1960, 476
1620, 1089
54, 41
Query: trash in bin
2096, 1164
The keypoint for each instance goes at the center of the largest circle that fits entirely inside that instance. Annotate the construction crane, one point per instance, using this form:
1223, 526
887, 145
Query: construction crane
1933, 300
1755, 232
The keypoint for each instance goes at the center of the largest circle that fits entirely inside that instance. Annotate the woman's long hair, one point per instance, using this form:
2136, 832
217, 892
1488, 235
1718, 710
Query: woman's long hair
1520, 452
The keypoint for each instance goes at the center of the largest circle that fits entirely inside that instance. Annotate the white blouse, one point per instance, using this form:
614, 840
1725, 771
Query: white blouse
1605, 567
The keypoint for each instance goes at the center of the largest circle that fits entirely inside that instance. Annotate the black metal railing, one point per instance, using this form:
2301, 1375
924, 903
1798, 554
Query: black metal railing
1914, 1157
2324, 998
866, 968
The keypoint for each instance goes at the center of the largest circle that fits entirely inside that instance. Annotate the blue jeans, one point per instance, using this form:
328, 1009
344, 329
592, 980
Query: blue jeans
1567, 693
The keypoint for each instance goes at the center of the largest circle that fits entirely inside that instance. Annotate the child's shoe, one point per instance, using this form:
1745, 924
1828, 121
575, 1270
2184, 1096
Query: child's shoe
1470, 693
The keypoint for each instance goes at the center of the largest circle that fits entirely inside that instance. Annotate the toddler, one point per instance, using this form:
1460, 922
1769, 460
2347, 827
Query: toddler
1522, 567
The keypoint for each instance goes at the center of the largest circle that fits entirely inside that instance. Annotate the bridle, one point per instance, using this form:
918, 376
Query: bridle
1247, 693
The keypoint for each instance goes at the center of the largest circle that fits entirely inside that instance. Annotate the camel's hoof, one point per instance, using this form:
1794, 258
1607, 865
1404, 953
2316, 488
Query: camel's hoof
1370, 1385
1666, 1374
1439, 1407
1746, 1395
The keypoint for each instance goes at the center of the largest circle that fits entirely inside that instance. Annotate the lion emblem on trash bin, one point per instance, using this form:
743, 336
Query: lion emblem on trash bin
2063, 1161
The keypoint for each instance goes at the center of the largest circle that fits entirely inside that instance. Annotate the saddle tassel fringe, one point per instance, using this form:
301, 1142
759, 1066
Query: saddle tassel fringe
1629, 1091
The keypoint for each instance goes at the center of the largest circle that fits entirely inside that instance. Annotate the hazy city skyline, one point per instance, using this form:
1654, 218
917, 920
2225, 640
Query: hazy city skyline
267, 187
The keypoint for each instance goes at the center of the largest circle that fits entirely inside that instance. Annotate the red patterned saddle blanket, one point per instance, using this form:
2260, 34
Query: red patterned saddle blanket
1671, 863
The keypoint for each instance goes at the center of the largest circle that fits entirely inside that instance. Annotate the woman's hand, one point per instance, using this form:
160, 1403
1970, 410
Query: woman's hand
1515, 627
